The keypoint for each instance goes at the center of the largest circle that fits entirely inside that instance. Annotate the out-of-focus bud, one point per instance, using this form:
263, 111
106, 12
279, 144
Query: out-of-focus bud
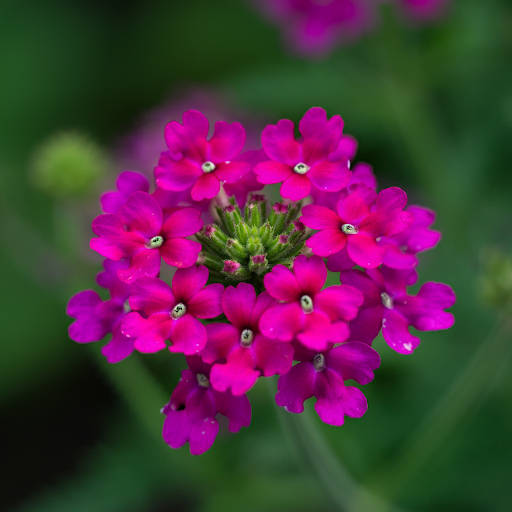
68, 164
496, 278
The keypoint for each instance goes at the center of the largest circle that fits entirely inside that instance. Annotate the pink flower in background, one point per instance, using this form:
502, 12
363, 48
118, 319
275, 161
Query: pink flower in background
96, 318
303, 165
127, 183
322, 374
314, 27
387, 305
247, 352
202, 164
147, 237
355, 225
315, 316
423, 10
172, 314
191, 412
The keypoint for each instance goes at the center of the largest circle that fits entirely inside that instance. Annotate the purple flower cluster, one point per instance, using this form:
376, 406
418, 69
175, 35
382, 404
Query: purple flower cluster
257, 274
314, 27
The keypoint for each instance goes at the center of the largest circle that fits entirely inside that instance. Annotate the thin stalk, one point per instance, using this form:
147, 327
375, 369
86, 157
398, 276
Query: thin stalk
468, 390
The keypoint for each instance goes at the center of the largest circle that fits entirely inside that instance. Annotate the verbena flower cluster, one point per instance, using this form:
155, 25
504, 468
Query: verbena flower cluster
248, 297
317, 26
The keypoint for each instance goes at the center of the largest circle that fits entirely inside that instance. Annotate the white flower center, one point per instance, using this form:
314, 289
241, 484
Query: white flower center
126, 307
387, 301
349, 229
319, 362
202, 380
155, 242
246, 338
301, 168
306, 303
208, 166
178, 311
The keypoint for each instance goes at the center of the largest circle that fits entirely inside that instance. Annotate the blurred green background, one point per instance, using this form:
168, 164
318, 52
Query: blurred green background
431, 108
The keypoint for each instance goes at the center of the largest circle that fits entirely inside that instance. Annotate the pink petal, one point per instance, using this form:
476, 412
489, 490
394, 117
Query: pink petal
184, 222
364, 250
282, 284
354, 204
238, 373
83, 303
176, 429
232, 172
207, 186
367, 324
363, 174
187, 282
142, 214
335, 400
340, 302
127, 183
392, 198
151, 295
236, 408
316, 331
189, 138
222, 339
346, 148
395, 258
278, 142
177, 176
295, 387
296, 187
327, 242
354, 360
119, 347
227, 141
272, 357
151, 334
144, 263
395, 330
281, 321
180, 252
340, 261
310, 273
330, 177
238, 303
207, 303
319, 217
272, 172
263, 302
321, 137
188, 335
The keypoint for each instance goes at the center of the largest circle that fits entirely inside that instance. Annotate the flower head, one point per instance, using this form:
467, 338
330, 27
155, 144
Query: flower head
197, 163
301, 165
322, 374
172, 314
147, 237
193, 407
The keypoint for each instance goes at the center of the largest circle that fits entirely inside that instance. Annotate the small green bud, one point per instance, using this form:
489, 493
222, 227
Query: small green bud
68, 164
258, 264
278, 248
254, 245
235, 249
253, 214
264, 233
235, 270
213, 237
242, 232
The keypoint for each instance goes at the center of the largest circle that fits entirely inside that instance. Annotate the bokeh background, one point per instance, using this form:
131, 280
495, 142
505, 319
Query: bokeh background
431, 107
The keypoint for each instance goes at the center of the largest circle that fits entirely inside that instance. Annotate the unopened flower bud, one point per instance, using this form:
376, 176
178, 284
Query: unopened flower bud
235, 249
258, 264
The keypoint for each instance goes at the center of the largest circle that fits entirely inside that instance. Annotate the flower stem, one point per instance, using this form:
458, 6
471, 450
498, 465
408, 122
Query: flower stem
468, 390
318, 460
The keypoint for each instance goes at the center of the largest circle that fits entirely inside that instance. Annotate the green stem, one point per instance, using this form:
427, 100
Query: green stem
318, 460
468, 390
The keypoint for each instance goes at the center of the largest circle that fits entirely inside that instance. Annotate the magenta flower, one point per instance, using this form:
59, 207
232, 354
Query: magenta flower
194, 404
315, 316
315, 27
172, 314
403, 246
322, 374
127, 183
387, 305
248, 182
356, 225
248, 353
300, 165
95, 318
423, 10
202, 164
139, 234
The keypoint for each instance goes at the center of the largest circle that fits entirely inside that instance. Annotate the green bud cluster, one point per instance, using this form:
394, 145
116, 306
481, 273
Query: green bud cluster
244, 246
